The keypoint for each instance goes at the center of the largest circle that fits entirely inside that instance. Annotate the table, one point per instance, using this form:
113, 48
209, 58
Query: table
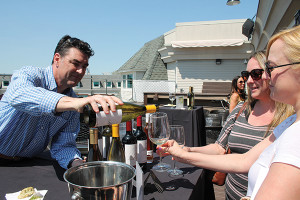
194, 184
48, 175
36, 172
193, 122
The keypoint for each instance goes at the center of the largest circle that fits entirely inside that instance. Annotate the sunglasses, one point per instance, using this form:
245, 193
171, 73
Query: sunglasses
255, 74
269, 69
241, 82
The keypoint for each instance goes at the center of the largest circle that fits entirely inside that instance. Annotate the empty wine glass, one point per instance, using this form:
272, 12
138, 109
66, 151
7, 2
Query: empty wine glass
177, 134
172, 97
159, 134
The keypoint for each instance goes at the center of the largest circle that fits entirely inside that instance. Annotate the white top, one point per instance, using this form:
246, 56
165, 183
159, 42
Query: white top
285, 149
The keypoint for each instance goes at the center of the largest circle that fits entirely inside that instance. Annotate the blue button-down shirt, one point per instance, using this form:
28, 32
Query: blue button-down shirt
28, 121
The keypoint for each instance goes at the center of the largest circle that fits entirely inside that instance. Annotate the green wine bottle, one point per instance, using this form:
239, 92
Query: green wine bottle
190, 99
116, 151
124, 113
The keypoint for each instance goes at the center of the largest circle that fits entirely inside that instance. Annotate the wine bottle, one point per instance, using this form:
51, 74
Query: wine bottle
149, 143
129, 142
124, 113
141, 138
94, 153
116, 150
106, 141
190, 99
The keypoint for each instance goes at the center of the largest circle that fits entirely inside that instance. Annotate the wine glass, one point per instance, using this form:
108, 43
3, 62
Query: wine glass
177, 134
172, 97
159, 134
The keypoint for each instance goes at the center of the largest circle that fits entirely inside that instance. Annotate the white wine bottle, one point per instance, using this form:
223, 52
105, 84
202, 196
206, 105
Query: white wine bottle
94, 153
116, 150
106, 141
124, 113
141, 143
129, 142
190, 99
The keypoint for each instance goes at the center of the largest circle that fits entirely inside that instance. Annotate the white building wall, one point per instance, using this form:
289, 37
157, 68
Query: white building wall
194, 73
141, 86
171, 70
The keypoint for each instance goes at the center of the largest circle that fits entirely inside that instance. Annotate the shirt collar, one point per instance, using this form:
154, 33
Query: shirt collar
50, 79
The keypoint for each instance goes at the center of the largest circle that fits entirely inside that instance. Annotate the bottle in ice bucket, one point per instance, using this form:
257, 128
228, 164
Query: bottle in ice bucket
124, 113
116, 150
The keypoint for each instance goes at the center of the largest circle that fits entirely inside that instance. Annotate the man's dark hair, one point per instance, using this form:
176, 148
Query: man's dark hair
67, 42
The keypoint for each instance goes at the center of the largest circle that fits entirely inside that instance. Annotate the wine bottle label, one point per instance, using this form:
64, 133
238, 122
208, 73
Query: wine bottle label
142, 151
130, 154
149, 156
103, 119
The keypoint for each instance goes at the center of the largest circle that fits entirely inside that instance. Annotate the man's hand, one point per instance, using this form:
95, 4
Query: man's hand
77, 104
76, 162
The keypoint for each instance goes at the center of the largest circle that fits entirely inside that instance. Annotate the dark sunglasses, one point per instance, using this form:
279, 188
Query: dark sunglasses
255, 74
241, 82
269, 69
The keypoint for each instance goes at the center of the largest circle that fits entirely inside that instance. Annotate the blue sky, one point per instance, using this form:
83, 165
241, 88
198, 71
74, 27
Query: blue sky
115, 29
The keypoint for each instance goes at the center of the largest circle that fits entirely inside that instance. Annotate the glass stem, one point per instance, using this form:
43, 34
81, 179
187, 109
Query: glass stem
174, 166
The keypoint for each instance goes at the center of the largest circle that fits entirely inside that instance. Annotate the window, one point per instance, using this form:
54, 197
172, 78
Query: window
124, 81
96, 84
108, 84
119, 84
5, 84
127, 81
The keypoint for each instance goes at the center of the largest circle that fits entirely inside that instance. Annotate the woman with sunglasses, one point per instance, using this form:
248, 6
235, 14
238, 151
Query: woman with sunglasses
237, 93
275, 161
260, 114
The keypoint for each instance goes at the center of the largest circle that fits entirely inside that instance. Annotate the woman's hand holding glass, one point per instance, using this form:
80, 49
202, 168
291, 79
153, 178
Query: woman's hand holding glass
159, 133
177, 134
171, 147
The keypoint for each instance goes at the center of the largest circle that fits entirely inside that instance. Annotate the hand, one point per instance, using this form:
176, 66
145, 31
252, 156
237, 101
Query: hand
77, 162
103, 101
171, 147
69, 103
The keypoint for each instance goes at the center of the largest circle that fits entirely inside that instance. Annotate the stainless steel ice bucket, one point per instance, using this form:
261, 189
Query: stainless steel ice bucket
100, 180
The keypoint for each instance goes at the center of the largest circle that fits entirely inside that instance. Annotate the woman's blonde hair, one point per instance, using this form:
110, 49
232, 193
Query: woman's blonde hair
282, 111
291, 38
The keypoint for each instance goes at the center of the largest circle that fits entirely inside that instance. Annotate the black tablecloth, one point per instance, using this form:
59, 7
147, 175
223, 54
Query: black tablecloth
192, 185
36, 172
193, 122
48, 175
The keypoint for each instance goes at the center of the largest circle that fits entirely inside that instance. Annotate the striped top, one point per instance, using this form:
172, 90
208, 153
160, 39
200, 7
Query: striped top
240, 136
28, 121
